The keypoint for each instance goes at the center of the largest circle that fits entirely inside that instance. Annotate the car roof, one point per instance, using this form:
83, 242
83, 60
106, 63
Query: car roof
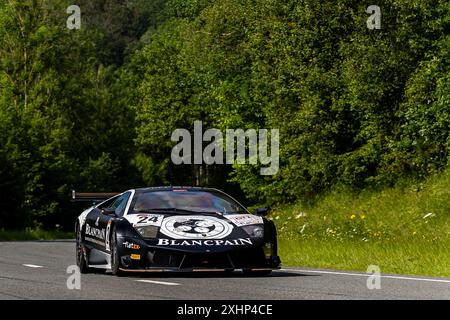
169, 188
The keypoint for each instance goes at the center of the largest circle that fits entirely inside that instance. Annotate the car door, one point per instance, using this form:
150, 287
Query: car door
119, 206
95, 232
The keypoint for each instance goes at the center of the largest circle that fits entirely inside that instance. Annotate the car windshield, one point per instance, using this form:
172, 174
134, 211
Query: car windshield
184, 200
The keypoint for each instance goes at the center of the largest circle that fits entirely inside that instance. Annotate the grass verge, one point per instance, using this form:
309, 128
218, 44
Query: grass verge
403, 230
411, 257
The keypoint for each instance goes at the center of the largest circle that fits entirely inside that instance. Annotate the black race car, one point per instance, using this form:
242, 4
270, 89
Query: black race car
173, 229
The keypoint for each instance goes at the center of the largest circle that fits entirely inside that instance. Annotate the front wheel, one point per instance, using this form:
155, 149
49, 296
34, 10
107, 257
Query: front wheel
115, 259
81, 261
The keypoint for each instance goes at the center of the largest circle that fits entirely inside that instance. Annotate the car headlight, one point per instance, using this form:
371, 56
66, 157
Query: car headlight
147, 231
268, 250
254, 231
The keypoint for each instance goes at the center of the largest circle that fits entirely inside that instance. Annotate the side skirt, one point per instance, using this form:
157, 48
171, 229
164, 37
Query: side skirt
99, 259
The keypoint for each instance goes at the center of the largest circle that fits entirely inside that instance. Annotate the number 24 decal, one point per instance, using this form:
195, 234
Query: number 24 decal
147, 219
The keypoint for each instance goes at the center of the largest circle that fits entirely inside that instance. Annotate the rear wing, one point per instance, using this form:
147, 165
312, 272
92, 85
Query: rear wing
93, 197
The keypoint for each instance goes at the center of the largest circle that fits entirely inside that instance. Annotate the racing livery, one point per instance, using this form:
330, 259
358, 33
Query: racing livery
173, 229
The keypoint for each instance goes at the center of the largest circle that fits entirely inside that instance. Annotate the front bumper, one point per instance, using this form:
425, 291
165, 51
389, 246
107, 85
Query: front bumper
151, 258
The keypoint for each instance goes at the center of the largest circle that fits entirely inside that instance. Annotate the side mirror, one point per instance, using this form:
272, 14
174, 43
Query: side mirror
262, 212
108, 212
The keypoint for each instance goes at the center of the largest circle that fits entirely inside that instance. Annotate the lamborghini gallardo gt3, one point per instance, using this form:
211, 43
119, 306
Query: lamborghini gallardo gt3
173, 229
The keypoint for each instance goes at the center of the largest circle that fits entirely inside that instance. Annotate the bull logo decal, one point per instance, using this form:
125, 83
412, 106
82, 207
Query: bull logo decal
195, 227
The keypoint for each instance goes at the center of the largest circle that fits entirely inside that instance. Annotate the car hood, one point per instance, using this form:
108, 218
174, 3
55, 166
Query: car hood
194, 232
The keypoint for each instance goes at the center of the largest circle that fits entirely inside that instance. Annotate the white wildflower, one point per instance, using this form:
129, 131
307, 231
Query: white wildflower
428, 215
300, 215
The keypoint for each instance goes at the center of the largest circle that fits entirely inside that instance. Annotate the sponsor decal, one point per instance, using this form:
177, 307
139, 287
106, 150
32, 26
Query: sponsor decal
135, 256
142, 220
211, 242
95, 232
93, 240
244, 219
195, 227
108, 231
131, 245
82, 217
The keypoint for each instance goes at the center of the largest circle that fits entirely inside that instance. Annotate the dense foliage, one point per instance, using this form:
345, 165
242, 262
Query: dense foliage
94, 109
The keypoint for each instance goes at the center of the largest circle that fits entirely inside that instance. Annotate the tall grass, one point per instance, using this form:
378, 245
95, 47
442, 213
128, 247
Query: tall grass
404, 229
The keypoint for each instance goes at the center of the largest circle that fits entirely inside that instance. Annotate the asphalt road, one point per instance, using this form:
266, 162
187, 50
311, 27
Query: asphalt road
38, 270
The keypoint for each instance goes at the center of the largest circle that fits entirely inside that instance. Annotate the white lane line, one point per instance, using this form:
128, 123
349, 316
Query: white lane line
367, 275
32, 266
160, 282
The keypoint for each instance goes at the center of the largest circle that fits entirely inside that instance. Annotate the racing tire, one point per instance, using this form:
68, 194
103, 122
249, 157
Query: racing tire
81, 261
115, 259
256, 273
